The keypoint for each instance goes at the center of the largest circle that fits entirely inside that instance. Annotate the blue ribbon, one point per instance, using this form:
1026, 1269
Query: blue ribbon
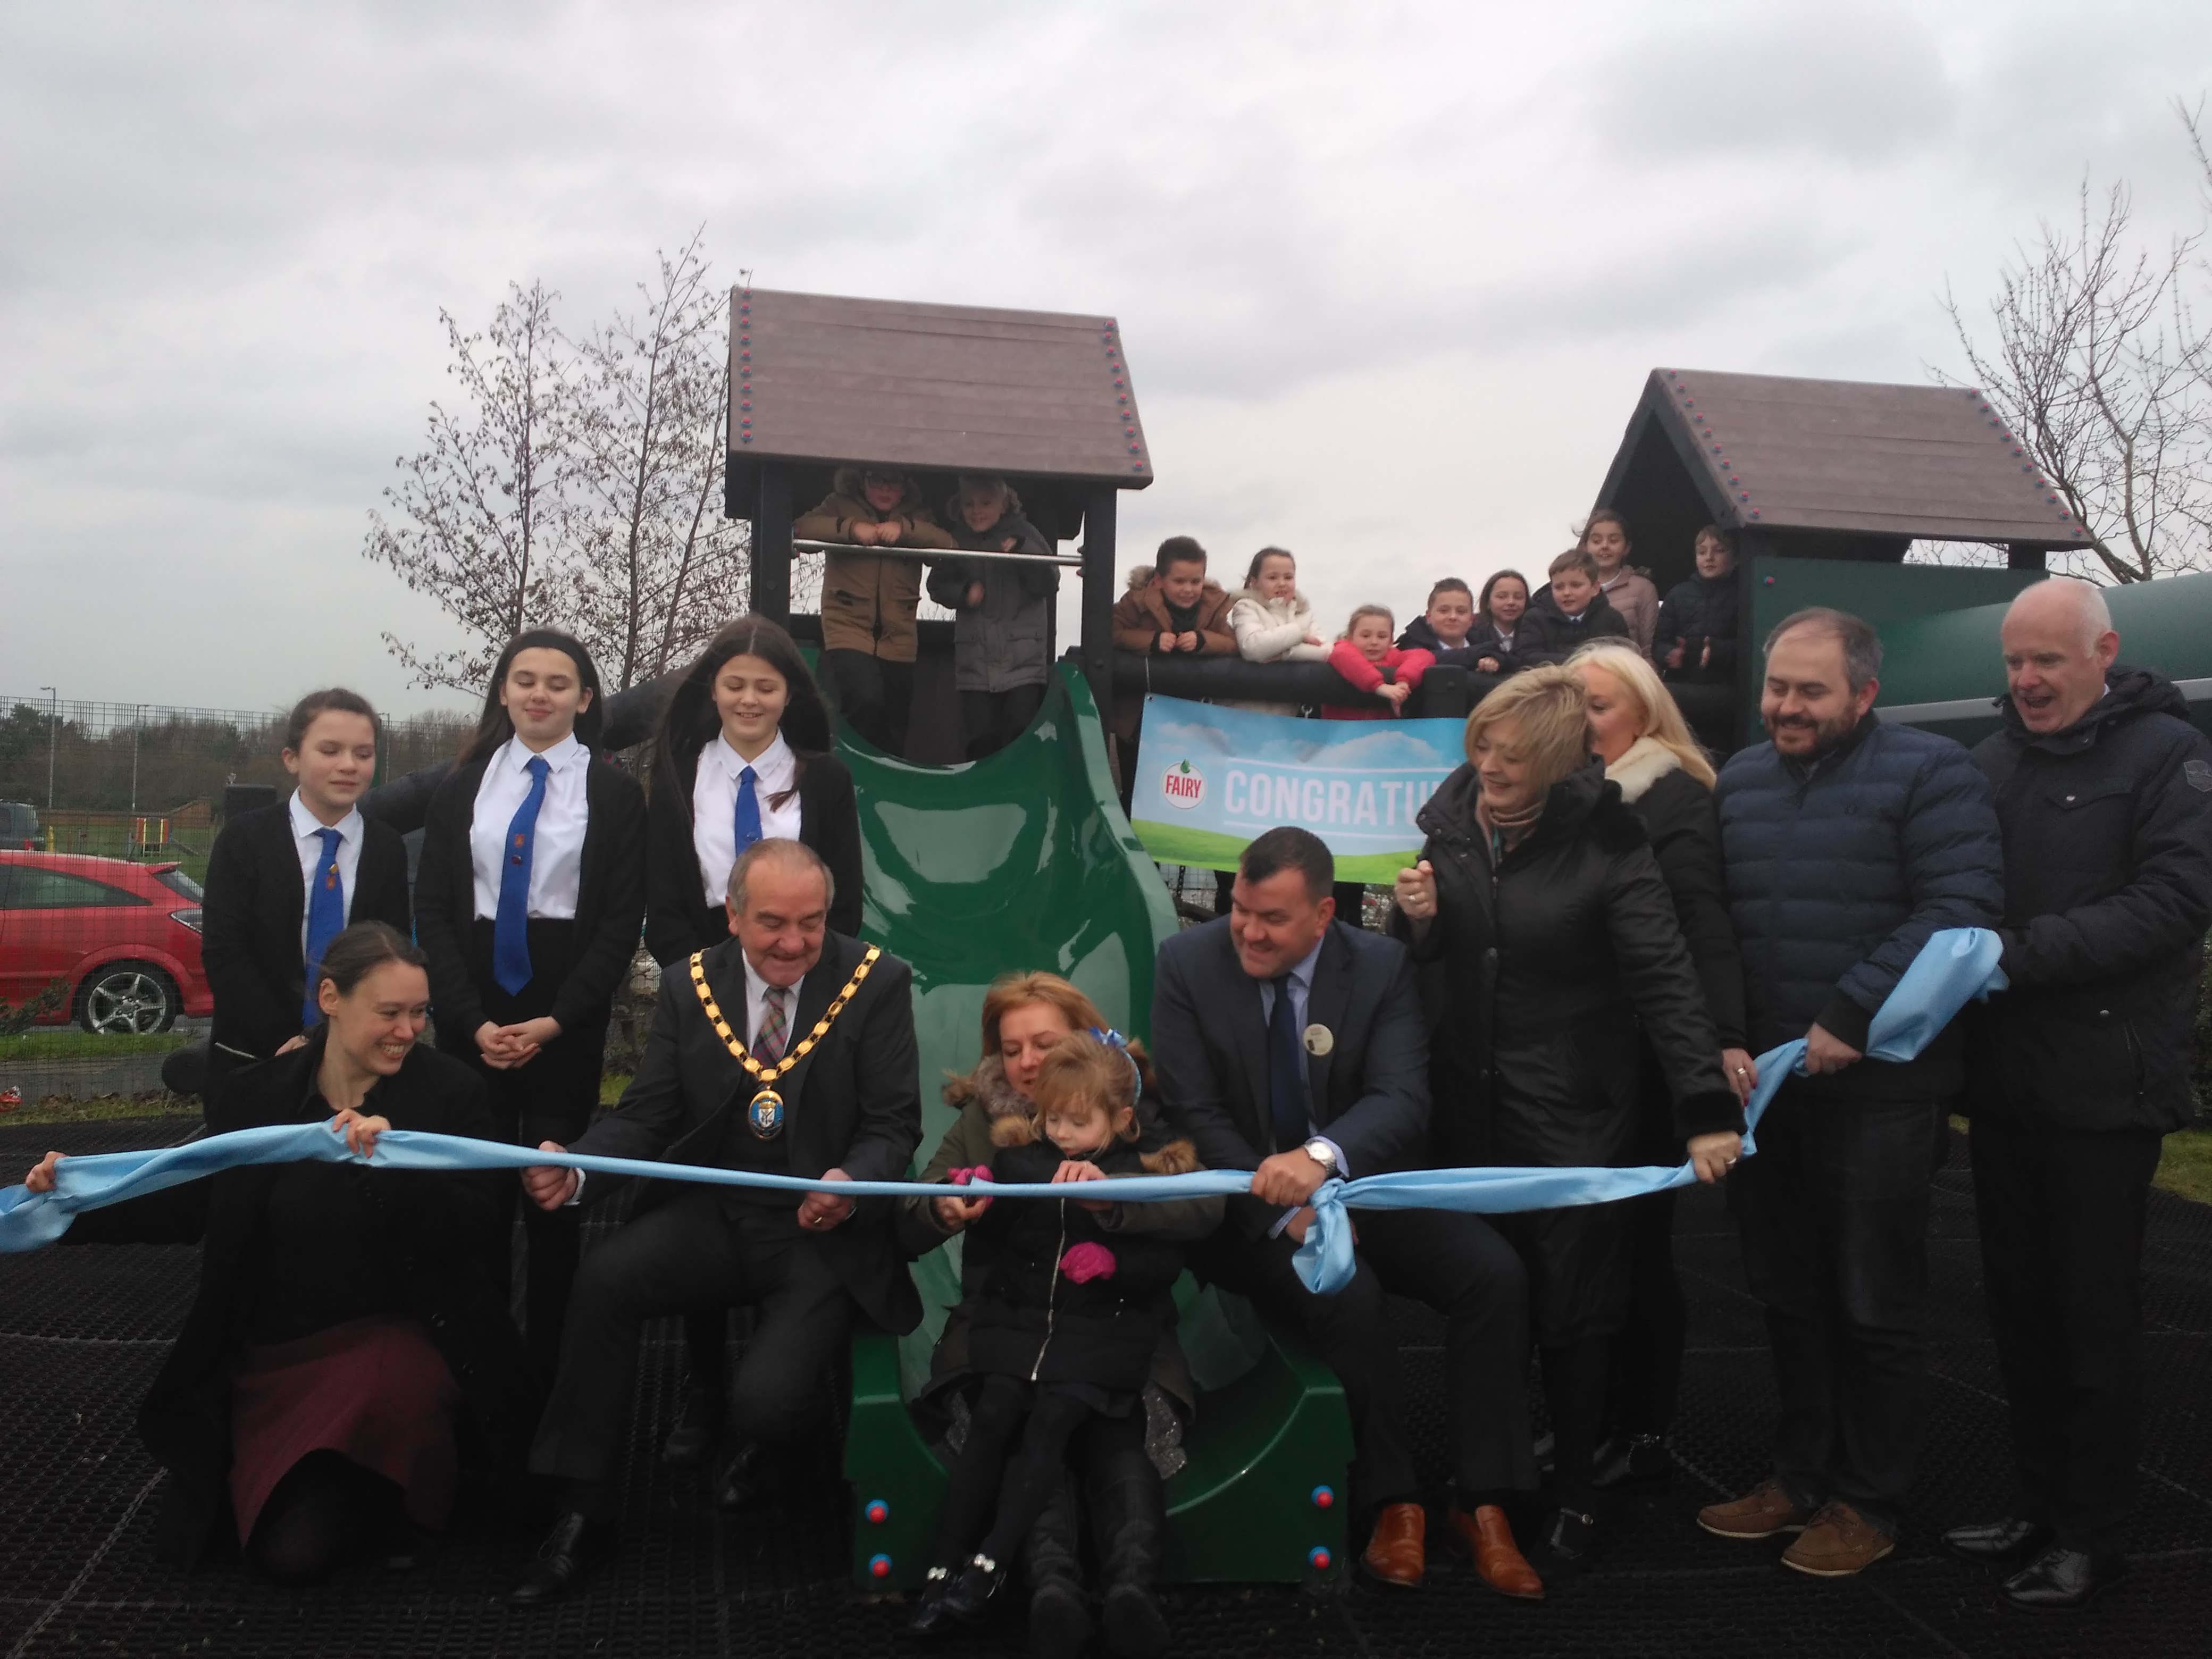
1954, 967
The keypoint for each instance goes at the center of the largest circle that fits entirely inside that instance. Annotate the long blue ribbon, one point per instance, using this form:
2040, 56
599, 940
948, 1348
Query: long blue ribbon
1954, 967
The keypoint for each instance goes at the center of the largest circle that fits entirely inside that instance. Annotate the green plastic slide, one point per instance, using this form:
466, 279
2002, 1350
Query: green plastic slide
1024, 860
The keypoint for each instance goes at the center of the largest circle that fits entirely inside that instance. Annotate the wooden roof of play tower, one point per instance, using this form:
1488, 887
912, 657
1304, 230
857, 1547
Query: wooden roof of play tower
818, 379
1836, 462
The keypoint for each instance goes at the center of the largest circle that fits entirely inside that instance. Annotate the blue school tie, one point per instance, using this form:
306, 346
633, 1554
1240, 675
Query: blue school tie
510, 929
1286, 1084
747, 822
326, 918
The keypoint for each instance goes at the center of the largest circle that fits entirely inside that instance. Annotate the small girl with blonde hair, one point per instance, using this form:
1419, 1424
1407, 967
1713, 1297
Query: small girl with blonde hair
1364, 660
1063, 1328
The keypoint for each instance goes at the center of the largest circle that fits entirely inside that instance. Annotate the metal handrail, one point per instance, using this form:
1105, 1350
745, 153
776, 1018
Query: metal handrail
1074, 560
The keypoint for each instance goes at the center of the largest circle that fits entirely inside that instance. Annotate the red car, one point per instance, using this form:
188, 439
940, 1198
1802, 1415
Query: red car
121, 940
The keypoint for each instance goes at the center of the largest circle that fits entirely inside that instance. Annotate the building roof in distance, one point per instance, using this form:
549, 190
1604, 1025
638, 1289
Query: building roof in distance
1917, 461
819, 378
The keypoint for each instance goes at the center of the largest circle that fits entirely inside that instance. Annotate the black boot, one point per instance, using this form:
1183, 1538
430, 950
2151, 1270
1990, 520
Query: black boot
1129, 1514
1632, 1460
698, 1421
1059, 1613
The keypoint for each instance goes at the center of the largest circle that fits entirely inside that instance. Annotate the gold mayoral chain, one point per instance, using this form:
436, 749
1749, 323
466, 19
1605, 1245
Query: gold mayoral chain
765, 1114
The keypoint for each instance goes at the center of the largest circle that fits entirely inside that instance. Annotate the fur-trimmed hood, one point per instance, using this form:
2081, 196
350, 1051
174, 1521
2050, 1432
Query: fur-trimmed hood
988, 1084
1647, 760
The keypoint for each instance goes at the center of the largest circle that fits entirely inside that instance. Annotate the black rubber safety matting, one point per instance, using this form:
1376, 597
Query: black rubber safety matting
82, 1332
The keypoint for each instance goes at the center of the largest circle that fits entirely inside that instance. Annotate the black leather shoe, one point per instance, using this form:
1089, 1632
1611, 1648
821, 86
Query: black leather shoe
2061, 1580
1632, 1460
692, 1436
930, 1618
562, 1561
1570, 1543
746, 1482
1546, 1444
2006, 1542
974, 1588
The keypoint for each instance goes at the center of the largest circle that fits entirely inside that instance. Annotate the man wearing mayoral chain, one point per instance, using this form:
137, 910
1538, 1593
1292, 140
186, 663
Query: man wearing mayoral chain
786, 1049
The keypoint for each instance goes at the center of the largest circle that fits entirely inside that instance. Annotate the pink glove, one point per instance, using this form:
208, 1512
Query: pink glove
1086, 1262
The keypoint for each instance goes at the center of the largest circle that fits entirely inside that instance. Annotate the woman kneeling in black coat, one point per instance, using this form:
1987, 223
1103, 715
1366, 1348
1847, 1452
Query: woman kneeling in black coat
1536, 891
348, 1332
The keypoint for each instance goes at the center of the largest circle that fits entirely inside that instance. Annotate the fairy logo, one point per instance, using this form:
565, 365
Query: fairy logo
1183, 787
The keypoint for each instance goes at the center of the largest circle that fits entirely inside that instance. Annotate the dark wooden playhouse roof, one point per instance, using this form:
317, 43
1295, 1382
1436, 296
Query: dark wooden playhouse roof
818, 379
1852, 457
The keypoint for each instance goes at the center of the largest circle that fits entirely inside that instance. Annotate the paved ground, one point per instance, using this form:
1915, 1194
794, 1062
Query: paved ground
81, 1332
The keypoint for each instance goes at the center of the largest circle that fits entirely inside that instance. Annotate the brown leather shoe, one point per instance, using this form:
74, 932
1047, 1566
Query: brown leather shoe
1487, 1537
1838, 1543
1394, 1555
1762, 1512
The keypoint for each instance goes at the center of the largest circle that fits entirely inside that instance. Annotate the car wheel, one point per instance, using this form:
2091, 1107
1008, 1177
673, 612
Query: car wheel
128, 998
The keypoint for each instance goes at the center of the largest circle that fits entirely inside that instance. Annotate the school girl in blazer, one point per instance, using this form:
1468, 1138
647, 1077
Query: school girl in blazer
747, 704
743, 754
528, 900
283, 881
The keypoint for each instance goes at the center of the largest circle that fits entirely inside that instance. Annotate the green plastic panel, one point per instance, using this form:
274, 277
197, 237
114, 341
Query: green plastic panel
1958, 655
1024, 860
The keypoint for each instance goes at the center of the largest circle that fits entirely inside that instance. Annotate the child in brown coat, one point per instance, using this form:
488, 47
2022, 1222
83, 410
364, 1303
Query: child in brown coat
868, 599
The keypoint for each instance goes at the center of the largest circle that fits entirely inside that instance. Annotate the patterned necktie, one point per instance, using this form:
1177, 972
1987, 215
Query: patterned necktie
510, 927
1286, 1084
326, 918
748, 820
774, 1026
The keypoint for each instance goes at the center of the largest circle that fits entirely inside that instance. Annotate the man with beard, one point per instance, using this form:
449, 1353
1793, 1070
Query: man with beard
1848, 842
2080, 1067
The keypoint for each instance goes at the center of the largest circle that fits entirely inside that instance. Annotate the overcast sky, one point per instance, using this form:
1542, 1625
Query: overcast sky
1390, 277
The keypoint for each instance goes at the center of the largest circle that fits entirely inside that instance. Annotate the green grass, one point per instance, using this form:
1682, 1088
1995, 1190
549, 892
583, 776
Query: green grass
67, 1043
65, 1108
1209, 849
2185, 1166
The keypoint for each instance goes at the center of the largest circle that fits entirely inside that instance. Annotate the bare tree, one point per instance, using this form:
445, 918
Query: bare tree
477, 515
2100, 371
656, 569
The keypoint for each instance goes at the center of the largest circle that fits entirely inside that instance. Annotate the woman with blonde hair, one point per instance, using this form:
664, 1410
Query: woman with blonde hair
1025, 1017
1537, 894
1665, 778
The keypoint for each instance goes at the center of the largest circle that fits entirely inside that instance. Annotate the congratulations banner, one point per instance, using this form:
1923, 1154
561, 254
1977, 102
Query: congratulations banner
1209, 779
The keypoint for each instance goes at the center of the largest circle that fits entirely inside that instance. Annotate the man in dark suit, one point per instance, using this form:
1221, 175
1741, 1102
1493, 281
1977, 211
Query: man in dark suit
847, 1107
1292, 1045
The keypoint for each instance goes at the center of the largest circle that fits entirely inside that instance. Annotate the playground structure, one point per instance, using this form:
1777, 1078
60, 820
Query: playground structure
1025, 860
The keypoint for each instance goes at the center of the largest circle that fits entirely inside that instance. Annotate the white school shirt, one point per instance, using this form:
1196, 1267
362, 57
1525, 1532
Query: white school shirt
307, 842
714, 807
557, 844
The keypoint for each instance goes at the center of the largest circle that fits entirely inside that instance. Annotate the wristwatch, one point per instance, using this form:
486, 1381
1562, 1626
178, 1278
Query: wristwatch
1321, 1153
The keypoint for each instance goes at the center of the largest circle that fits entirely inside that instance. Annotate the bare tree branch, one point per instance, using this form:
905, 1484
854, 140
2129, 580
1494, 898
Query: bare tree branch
475, 515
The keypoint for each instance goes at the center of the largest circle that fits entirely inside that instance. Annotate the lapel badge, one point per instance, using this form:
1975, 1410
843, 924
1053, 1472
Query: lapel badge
1319, 1039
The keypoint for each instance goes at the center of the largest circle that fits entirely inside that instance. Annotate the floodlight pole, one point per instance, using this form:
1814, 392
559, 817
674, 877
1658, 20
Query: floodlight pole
53, 717
134, 758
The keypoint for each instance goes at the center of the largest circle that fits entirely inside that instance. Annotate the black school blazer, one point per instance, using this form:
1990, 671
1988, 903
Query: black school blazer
677, 920
855, 1102
256, 900
610, 898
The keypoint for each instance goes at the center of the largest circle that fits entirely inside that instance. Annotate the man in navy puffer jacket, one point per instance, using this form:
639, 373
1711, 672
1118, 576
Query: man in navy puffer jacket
1848, 842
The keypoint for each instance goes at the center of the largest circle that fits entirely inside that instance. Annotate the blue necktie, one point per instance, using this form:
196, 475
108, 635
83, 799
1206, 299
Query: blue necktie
748, 822
510, 929
1286, 1084
326, 918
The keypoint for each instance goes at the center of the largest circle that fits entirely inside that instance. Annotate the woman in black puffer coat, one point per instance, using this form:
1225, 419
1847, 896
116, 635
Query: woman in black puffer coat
1665, 778
1537, 892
